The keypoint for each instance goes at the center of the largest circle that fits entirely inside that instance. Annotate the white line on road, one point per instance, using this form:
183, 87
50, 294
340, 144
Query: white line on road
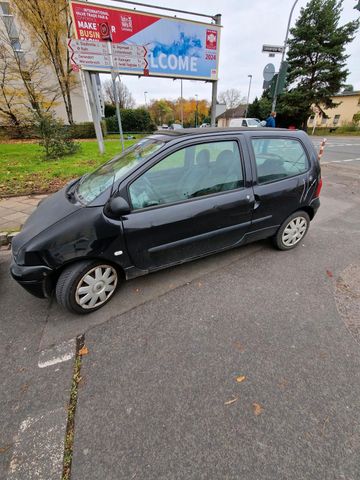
341, 161
58, 354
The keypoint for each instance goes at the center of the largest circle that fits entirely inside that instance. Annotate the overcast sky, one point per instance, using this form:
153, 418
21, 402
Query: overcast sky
247, 25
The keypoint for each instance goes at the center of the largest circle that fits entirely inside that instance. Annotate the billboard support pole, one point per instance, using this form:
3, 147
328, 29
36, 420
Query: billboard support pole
117, 104
181, 102
214, 85
95, 112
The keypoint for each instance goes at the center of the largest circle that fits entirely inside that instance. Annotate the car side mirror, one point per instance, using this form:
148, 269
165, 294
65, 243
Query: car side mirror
117, 207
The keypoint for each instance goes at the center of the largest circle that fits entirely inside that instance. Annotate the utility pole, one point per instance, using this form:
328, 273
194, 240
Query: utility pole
273, 107
248, 97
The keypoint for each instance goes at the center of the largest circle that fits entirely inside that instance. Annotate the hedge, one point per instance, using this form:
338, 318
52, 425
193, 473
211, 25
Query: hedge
133, 120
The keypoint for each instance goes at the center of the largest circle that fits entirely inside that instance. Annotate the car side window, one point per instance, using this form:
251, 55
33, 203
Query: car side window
191, 172
278, 158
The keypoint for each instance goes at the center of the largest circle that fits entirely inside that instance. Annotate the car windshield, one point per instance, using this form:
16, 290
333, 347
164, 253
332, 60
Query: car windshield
94, 184
253, 123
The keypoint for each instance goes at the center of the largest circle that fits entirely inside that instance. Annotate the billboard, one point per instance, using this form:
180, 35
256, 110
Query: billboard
145, 44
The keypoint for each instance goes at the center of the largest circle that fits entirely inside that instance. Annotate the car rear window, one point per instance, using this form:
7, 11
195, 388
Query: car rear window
278, 158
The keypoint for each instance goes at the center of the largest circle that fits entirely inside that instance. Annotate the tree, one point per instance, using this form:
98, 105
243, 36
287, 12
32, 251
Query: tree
22, 87
317, 59
125, 97
232, 97
162, 111
49, 24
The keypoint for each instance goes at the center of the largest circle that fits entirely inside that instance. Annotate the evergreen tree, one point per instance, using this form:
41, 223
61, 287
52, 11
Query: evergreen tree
317, 59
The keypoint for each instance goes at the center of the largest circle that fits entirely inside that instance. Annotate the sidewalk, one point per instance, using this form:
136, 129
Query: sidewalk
15, 210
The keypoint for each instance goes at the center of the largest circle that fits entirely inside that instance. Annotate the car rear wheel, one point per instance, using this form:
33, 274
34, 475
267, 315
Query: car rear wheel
86, 286
292, 231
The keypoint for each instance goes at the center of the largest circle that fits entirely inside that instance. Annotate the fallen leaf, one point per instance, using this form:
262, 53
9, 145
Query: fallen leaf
257, 408
229, 402
238, 346
83, 351
5, 449
199, 284
329, 273
240, 379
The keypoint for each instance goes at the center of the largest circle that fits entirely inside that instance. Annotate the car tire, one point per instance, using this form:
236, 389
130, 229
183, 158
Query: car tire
292, 231
86, 286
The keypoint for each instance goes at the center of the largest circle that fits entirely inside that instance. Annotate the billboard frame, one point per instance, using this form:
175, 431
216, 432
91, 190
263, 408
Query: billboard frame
91, 70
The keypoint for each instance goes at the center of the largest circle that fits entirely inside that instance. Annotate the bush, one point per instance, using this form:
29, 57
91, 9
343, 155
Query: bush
133, 120
55, 138
110, 110
85, 129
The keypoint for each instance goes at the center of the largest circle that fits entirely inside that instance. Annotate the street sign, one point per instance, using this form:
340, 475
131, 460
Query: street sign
90, 60
269, 72
273, 48
78, 46
106, 56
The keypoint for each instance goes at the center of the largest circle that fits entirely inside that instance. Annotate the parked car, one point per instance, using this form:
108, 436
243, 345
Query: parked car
245, 122
175, 126
172, 197
205, 125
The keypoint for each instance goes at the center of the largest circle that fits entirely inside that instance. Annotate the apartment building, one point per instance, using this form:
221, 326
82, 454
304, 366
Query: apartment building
11, 30
348, 105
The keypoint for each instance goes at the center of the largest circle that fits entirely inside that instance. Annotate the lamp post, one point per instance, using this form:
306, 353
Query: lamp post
145, 93
283, 56
196, 111
248, 97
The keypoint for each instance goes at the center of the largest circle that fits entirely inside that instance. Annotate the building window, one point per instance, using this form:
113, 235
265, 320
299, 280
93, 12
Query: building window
311, 120
336, 119
323, 121
16, 45
5, 8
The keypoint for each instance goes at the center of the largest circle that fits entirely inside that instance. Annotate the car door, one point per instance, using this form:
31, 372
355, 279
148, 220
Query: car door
193, 202
283, 173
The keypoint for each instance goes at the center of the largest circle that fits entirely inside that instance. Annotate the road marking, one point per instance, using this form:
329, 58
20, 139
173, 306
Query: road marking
39, 447
60, 353
341, 161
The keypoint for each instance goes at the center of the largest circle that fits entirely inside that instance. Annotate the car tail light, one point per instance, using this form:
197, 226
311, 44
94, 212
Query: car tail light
318, 188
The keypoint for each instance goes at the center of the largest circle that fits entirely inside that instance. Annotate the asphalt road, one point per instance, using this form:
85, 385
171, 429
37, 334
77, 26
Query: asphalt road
342, 150
160, 398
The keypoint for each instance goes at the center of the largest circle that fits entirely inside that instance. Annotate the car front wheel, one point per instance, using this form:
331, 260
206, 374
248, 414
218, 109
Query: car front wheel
86, 286
292, 231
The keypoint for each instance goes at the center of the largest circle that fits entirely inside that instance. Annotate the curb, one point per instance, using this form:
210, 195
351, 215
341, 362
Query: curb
6, 238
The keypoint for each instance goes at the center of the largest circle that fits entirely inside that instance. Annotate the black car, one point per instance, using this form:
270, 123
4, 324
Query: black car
170, 198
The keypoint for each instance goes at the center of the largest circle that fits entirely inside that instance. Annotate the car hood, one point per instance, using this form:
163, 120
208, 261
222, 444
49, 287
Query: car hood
51, 210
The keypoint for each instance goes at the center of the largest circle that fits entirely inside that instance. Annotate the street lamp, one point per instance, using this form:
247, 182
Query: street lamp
248, 97
282, 57
145, 93
196, 112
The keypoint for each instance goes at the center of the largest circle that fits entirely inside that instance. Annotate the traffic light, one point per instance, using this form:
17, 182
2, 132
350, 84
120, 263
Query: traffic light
282, 77
357, 7
282, 80
273, 85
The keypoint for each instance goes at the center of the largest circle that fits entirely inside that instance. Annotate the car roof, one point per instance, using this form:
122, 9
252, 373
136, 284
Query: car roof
168, 135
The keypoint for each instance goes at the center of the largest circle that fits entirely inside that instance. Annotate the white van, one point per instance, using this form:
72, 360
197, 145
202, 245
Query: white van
244, 122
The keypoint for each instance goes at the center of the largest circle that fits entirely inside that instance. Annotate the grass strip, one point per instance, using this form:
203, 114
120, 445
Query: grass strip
70, 426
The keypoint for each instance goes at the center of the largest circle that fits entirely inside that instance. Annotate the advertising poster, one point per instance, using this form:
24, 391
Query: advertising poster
146, 44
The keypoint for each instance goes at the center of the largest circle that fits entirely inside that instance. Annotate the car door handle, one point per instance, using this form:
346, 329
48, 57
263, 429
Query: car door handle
257, 202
